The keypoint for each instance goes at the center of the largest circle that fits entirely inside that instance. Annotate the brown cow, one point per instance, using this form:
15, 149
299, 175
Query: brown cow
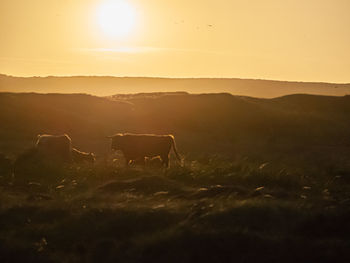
149, 162
81, 157
154, 162
136, 147
52, 146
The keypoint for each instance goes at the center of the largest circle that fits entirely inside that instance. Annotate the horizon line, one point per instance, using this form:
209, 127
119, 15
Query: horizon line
172, 77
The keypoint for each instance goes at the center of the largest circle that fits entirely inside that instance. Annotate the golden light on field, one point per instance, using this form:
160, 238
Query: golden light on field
116, 18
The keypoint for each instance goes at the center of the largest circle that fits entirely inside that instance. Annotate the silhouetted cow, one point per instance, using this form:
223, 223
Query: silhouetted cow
52, 146
154, 162
81, 157
136, 147
149, 162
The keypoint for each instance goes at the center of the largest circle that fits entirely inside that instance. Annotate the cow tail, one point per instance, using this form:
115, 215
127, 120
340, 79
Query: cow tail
174, 148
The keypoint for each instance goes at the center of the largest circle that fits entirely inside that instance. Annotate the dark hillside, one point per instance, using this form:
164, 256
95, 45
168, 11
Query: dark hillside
202, 124
84, 117
263, 180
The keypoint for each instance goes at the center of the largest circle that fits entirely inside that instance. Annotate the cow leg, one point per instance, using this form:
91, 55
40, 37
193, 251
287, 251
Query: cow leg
165, 159
127, 162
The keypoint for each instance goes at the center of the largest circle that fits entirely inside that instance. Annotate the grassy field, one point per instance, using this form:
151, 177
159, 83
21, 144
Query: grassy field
262, 181
210, 210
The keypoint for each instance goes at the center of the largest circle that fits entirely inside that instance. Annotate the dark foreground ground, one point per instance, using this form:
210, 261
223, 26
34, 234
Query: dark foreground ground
210, 210
263, 180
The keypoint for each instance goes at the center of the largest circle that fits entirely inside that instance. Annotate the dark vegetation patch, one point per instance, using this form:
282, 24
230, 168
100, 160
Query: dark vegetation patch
140, 215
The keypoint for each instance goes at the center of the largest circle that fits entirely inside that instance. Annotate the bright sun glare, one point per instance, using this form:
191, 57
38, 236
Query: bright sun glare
116, 17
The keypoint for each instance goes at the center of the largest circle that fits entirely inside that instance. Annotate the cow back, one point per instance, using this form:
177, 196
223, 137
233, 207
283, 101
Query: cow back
141, 145
54, 146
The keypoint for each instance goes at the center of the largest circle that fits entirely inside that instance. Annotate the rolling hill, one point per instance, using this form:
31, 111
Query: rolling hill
263, 175
203, 124
106, 86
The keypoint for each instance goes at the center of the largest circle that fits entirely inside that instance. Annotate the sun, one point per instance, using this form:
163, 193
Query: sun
116, 18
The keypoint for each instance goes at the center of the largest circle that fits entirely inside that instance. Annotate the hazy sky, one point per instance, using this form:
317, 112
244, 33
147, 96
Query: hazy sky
307, 40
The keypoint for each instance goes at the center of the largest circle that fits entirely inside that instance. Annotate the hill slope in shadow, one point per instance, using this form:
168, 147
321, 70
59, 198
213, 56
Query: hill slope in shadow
296, 125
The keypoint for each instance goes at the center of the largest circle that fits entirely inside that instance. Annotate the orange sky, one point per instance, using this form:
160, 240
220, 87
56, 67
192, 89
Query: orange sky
306, 40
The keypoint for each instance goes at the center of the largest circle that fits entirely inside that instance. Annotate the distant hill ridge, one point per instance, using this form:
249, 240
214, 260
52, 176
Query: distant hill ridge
107, 86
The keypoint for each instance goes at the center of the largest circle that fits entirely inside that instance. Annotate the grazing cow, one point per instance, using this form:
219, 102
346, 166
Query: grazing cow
154, 162
136, 147
149, 162
58, 147
81, 157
